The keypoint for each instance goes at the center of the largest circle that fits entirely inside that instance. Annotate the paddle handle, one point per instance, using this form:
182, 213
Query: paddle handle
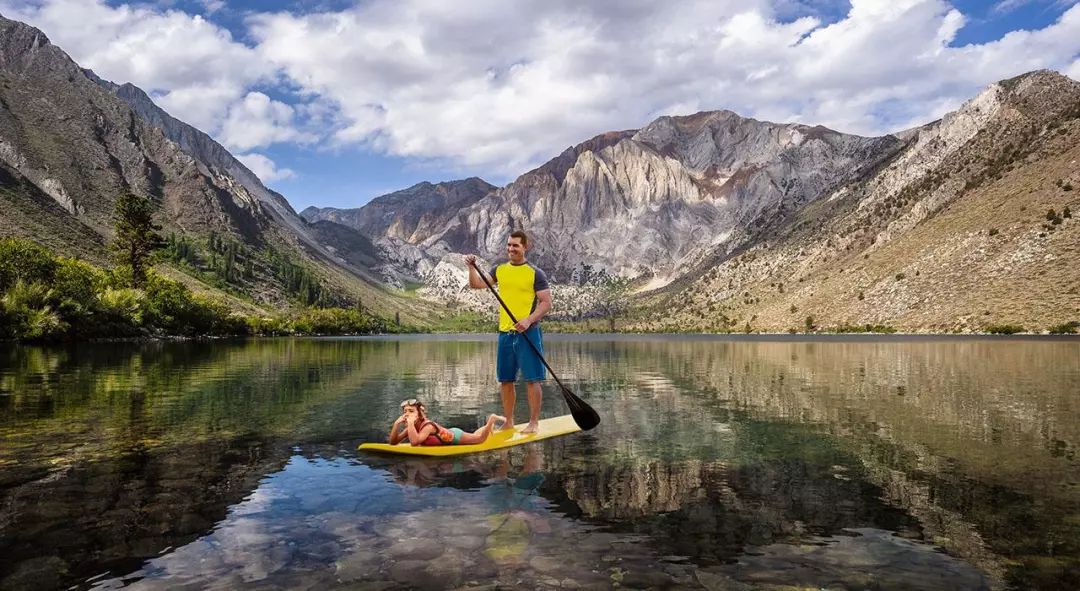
514, 320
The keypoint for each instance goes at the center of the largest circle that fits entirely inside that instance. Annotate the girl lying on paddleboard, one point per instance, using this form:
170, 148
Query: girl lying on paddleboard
420, 430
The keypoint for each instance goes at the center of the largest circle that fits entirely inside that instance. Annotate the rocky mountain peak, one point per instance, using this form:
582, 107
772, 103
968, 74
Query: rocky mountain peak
558, 167
18, 40
408, 215
722, 142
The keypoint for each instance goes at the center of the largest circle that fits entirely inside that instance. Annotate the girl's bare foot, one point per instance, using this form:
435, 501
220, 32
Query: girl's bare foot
489, 425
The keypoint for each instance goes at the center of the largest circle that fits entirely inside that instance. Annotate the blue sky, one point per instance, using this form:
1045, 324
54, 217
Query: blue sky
335, 102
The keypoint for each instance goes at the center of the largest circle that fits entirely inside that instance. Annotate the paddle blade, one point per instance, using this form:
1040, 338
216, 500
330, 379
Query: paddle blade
584, 415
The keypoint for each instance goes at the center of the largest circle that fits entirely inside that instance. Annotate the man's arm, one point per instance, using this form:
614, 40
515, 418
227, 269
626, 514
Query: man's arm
475, 281
543, 304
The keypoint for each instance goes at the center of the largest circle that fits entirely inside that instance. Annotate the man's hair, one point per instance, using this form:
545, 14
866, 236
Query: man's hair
520, 234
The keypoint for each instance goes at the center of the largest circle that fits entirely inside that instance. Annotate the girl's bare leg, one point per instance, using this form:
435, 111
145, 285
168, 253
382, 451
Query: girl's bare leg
481, 434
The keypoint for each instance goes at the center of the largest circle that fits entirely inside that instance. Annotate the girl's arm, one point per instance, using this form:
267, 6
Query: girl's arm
418, 437
396, 434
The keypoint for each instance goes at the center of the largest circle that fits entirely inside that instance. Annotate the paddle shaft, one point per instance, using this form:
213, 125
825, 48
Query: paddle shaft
491, 288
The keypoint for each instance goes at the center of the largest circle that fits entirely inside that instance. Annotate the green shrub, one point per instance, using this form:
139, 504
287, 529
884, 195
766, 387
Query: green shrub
270, 326
335, 321
169, 305
1004, 329
29, 313
24, 260
864, 328
122, 309
207, 316
45, 298
75, 288
1065, 328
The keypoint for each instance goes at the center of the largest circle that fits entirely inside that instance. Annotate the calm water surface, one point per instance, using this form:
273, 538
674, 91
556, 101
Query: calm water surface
846, 463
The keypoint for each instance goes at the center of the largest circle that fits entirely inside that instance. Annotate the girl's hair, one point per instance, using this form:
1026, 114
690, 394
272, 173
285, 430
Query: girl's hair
420, 408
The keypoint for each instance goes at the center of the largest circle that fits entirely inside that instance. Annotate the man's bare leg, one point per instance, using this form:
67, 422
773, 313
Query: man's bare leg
535, 395
508, 399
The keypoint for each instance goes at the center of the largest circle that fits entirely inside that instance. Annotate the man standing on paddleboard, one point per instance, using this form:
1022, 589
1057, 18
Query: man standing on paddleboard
524, 288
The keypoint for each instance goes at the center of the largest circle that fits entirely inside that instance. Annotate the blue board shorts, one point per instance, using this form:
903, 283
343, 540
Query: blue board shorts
515, 355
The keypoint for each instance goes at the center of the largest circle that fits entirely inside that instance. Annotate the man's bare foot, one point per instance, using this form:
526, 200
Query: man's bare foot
530, 429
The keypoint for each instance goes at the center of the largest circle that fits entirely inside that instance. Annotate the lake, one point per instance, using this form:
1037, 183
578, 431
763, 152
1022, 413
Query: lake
729, 463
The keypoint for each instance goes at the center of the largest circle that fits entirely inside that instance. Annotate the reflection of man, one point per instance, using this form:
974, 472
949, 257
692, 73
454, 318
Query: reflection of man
525, 290
519, 512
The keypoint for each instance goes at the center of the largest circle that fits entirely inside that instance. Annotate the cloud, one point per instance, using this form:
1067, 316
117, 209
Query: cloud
493, 88
265, 168
1006, 6
257, 121
505, 87
1073, 71
212, 6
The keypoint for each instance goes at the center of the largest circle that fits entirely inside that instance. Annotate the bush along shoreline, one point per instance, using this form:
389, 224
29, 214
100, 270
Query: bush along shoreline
49, 298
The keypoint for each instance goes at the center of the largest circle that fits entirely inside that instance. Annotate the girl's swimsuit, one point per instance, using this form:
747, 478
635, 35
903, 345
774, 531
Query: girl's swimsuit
442, 435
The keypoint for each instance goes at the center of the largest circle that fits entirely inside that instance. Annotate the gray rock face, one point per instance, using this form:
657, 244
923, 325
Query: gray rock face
218, 160
394, 223
83, 146
408, 214
653, 201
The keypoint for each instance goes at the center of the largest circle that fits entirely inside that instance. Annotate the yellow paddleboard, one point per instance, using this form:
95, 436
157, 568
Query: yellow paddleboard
552, 427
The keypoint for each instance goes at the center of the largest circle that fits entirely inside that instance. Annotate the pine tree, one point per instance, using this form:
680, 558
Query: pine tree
136, 235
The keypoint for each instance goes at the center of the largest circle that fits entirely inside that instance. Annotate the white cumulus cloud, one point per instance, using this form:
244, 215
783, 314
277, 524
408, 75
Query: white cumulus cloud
265, 168
492, 88
497, 86
257, 121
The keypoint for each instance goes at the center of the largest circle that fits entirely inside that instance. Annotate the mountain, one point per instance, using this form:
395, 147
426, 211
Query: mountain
968, 227
71, 143
639, 202
729, 223
396, 222
207, 151
409, 214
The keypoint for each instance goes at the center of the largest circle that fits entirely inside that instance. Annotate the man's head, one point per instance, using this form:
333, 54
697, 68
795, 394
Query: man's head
516, 245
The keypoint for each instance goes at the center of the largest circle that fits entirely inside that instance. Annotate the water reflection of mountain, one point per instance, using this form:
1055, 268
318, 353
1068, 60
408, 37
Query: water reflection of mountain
708, 448
114, 453
712, 509
113, 513
975, 440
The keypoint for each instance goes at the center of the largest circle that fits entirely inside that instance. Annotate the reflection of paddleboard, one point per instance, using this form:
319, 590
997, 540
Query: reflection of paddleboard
552, 427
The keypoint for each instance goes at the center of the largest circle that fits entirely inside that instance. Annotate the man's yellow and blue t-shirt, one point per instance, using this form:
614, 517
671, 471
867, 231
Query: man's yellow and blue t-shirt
518, 285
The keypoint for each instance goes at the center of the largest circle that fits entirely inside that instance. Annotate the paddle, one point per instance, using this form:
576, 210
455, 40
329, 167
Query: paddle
584, 415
